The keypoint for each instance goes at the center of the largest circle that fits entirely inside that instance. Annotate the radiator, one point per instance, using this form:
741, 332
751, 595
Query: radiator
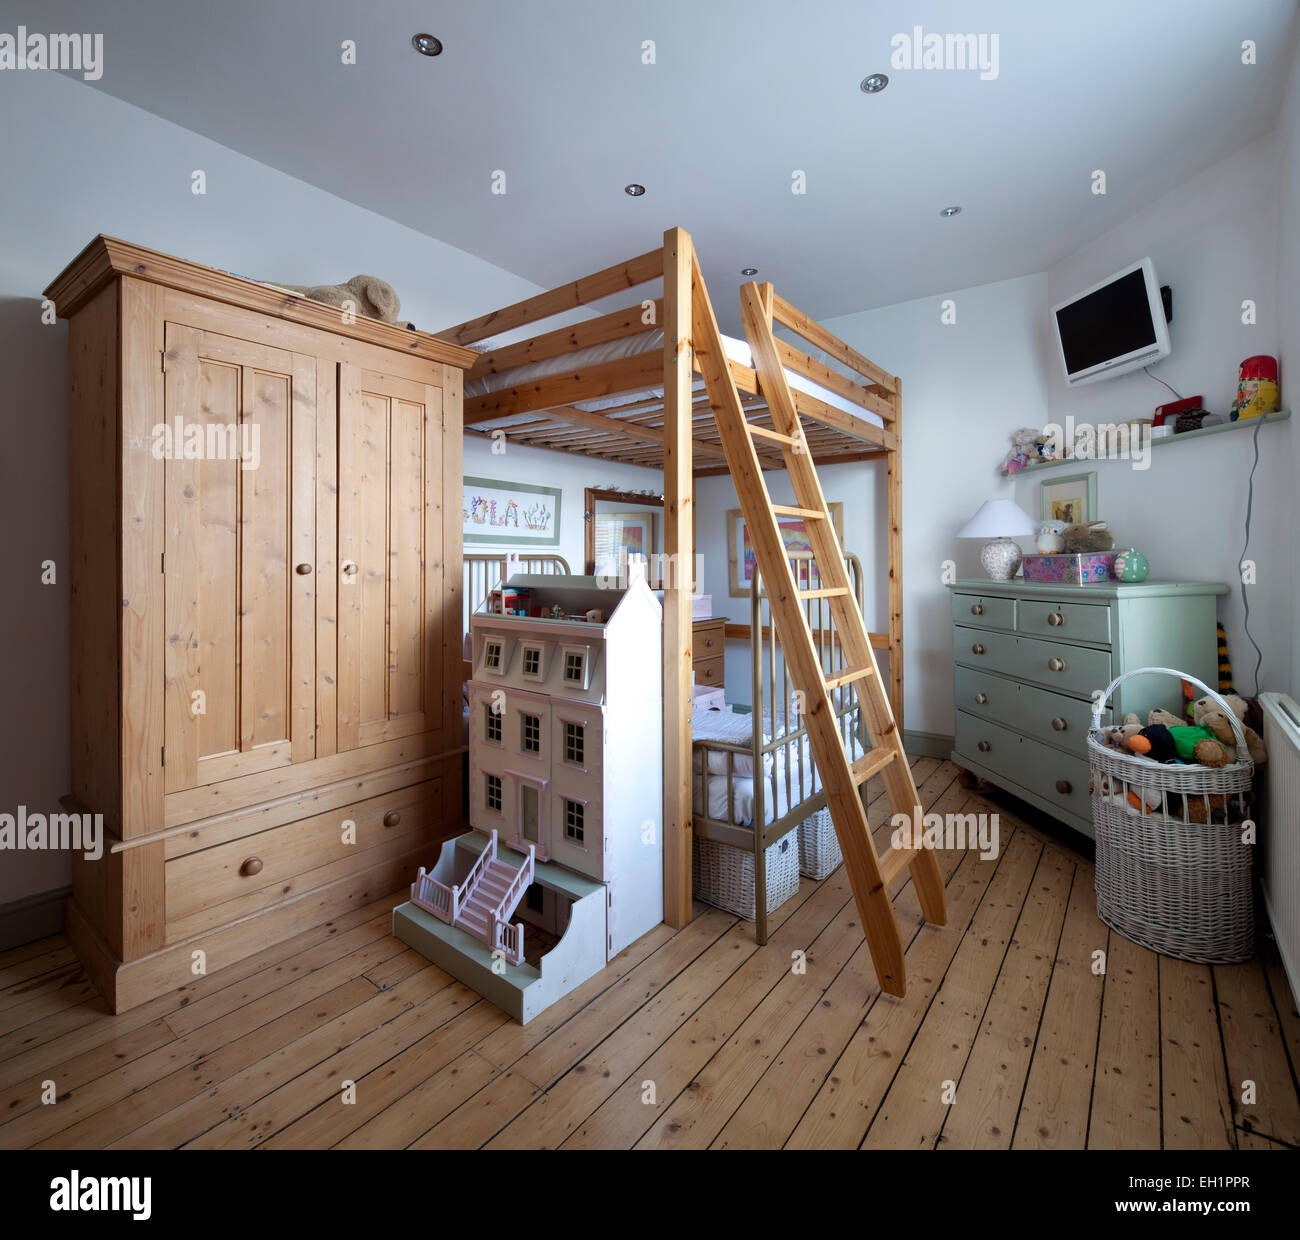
1280, 834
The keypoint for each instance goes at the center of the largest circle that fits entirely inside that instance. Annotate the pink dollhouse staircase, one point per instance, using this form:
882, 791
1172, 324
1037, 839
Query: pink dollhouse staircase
482, 904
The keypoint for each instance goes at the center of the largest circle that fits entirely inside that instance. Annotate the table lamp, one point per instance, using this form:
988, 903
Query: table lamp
999, 520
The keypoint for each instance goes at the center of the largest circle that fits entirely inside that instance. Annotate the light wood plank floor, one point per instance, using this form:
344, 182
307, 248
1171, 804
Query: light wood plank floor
1014, 1033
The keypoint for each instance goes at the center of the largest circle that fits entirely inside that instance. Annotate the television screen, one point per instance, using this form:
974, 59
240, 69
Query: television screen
1112, 327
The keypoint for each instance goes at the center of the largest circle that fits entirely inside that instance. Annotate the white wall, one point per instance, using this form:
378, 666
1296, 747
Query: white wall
78, 162
1214, 241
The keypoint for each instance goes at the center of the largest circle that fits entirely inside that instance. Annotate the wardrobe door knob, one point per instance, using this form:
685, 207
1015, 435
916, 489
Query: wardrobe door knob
1059, 724
1063, 786
349, 568
981, 699
1056, 665
984, 746
977, 609
302, 570
392, 818
977, 649
1056, 619
251, 866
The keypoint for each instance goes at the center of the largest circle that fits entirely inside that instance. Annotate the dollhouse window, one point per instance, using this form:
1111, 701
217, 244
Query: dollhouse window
574, 666
492, 728
531, 740
574, 814
492, 656
492, 792
574, 743
532, 667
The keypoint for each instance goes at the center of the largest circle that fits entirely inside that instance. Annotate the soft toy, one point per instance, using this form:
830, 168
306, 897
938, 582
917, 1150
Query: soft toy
1156, 742
1024, 449
1167, 719
369, 296
1091, 536
1118, 737
1207, 713
1257, 391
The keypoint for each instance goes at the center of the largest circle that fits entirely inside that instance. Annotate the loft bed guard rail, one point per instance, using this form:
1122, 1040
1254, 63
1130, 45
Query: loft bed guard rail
778, 753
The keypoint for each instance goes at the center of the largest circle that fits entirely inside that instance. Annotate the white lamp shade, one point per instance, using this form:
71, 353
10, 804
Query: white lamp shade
999, 518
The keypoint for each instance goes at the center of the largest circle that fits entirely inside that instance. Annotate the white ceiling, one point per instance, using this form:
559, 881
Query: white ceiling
743, 92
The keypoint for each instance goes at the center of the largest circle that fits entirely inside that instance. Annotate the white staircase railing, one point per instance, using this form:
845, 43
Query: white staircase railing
518, 885
444, 902
508, 939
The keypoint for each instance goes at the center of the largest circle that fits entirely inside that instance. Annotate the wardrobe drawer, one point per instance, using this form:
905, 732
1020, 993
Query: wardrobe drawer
283, 860
1073, 669
1085, 622
978, 609
709, 671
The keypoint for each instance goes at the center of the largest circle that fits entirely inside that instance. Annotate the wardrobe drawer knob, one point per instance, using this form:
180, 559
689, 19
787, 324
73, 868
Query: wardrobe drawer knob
1063, 786
1059, 724
1056, 665
392, 818
981, 699
253, 865
984, 746
302, 570
977, 649
1056, 619
977, 609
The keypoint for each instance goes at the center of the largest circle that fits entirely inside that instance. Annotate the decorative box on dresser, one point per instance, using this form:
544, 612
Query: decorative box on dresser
1029, 657
265, 611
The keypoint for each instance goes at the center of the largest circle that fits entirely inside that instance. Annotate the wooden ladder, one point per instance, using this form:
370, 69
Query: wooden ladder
842, 777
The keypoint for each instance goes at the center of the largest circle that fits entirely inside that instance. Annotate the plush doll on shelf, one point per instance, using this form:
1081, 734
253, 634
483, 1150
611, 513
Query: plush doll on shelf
1024, 450
1257, 390
1090, 536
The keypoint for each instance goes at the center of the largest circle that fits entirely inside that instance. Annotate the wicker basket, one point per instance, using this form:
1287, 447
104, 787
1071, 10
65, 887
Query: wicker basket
819, 846
724, 876
1173, 873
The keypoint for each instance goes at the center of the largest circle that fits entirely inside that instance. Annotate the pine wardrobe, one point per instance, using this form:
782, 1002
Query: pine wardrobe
265, 611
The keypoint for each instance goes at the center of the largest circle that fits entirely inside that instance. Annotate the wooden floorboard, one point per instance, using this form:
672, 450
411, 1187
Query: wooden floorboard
1027, 1023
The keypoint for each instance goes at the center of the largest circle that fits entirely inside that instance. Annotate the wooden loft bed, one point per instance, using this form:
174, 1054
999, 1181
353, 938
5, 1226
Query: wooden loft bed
653, 414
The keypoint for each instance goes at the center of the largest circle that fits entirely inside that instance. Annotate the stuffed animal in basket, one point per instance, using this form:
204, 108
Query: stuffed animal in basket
369, 296
1207, 713
1163, 742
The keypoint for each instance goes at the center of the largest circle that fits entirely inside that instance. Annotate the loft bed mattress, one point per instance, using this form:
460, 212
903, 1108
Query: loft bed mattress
630, 346
709, 787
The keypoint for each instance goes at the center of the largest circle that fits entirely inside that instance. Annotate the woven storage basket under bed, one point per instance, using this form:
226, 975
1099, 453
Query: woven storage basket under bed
724, 876
1172, 884
819, 846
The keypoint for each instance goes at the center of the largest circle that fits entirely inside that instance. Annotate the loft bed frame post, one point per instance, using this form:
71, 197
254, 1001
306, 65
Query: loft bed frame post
894, 489
679, 549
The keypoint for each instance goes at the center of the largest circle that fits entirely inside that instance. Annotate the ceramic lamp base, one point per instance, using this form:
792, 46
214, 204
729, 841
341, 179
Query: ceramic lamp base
1001, 558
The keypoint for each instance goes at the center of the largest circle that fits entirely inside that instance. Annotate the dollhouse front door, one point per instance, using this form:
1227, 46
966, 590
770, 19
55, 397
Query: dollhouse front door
530, 816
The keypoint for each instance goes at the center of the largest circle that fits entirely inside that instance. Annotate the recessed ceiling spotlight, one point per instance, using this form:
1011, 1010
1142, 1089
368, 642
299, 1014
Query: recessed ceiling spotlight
426, 44
749, 271
874, 83
634, 190
949, 212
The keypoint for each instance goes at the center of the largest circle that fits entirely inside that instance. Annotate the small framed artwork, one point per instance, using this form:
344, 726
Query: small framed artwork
794, 534
1072, 500
520, 514
620, 534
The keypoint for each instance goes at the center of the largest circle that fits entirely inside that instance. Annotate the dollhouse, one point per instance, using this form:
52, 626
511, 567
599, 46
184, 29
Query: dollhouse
565, 792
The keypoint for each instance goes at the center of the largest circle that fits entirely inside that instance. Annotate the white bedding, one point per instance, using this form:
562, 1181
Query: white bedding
630, 346
736, 729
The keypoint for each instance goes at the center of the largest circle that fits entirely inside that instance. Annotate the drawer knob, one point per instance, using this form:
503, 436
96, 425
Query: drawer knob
984, 746
392, 818
708, 641
349, 568
1056, 665
1059, 724
253, 865
1063, 786
977, 649
302, 569
981, 699
977, 609
1056, 619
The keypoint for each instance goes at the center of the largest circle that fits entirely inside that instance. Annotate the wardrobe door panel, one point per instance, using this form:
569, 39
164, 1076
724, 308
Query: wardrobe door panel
239, 544
390, 584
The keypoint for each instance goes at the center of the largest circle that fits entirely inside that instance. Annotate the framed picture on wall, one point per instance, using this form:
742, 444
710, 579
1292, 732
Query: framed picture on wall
1072, 500
794, 534
496, 513
620, 534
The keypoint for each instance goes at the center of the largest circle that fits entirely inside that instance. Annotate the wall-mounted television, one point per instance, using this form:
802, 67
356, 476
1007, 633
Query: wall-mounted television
1113, 327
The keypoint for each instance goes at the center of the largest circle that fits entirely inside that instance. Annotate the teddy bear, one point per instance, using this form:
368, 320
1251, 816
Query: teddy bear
1024, 449
1207, 713
370, 297
1090, 536
1117, 737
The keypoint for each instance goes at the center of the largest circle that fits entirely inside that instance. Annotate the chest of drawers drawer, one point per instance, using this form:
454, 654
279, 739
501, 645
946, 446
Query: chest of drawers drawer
1051, 717
1057, 665
1084, 622
984, 610
708, 652
1059, 777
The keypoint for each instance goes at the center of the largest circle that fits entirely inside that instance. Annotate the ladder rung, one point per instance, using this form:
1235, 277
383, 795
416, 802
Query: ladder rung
768, 433
825, 592
849, 676
872, 761
894, 862
809, 514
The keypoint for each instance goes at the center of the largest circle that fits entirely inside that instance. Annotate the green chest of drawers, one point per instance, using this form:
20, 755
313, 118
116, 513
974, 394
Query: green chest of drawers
1029, 658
